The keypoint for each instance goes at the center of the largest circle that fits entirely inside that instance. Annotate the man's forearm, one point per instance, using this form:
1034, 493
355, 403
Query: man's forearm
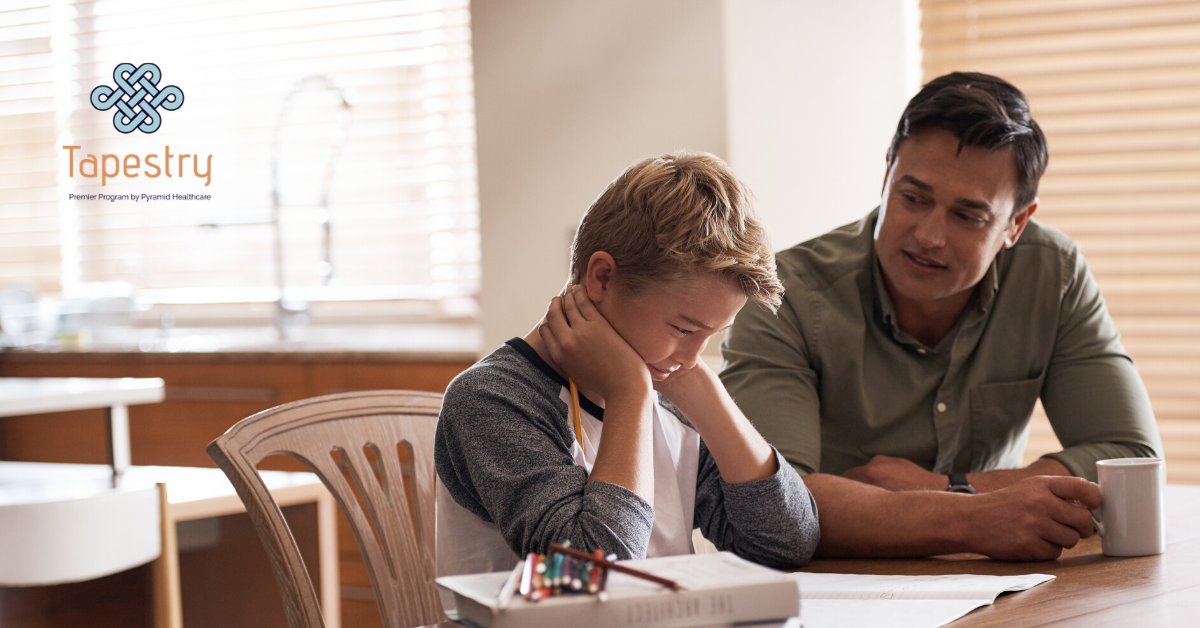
901, 474
862, 520
1033, 519
988, 481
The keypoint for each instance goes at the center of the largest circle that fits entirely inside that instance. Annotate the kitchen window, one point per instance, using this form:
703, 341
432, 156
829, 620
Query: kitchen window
363, 111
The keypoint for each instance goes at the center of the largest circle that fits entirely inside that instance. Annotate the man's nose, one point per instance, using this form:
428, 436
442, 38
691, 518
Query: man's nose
931, 230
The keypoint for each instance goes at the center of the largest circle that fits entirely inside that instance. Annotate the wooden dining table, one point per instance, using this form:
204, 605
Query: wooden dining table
1090, 589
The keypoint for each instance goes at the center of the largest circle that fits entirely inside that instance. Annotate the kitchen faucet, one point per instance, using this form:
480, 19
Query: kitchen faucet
285, 309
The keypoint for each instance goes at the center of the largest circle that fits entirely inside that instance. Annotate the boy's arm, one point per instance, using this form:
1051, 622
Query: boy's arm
748, 500
771, 521
503, 452
741, 454
581, 342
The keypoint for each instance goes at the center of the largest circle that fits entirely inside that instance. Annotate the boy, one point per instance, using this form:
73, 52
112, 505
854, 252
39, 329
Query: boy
663, 259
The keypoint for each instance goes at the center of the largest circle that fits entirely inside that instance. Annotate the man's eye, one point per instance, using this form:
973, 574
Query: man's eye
971, 218
682, 331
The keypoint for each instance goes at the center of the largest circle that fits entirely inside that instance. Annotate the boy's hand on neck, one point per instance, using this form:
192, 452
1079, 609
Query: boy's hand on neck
584, 347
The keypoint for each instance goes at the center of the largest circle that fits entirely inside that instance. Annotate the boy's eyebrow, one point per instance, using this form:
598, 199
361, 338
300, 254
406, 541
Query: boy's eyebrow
691, 321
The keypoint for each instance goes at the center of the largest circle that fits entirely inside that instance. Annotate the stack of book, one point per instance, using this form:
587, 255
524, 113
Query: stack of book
713, 589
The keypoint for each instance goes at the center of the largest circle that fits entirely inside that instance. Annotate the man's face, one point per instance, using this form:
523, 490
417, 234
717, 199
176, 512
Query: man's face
943, 217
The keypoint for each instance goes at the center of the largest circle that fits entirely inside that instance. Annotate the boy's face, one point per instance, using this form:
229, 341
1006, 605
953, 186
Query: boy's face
669, 325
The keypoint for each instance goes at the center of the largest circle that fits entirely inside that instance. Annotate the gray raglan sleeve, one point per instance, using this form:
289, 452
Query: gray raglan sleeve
502, 451
772, 521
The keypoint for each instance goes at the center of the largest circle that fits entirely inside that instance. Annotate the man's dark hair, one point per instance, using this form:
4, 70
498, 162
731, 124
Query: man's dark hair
982, 111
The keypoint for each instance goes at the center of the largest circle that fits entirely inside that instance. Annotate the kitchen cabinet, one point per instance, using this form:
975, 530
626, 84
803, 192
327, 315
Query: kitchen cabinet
205, 394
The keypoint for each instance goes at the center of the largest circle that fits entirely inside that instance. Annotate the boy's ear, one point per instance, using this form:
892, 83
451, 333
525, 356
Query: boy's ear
600, 271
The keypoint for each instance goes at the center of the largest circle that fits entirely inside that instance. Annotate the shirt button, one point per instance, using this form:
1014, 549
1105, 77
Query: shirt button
941, 407
921, 351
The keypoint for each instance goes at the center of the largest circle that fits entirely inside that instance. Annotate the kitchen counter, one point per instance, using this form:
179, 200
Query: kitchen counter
215, 377
432, 343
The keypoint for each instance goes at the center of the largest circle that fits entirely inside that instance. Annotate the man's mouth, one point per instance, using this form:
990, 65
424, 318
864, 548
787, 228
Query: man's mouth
924, 262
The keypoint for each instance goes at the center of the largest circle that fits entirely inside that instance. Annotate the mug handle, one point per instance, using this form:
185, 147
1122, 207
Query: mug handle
1098, 515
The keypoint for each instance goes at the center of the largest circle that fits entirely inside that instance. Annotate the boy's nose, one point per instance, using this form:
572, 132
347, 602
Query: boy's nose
689, 353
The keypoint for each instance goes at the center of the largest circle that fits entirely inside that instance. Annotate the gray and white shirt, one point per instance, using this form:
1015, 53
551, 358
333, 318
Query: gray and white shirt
513, 479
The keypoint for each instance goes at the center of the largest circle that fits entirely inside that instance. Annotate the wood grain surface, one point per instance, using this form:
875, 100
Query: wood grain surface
1091, 590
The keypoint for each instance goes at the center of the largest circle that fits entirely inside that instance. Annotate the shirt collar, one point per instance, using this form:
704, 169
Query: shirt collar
989, 285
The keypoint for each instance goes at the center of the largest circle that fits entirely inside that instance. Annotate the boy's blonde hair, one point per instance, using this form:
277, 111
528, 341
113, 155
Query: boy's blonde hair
666, 218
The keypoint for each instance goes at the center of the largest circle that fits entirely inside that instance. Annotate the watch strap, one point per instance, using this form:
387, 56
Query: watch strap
959, 484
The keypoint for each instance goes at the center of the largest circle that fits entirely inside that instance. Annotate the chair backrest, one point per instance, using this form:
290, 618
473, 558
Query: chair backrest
352, 442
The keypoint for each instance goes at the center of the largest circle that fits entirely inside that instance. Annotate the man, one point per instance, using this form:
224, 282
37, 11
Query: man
912, 345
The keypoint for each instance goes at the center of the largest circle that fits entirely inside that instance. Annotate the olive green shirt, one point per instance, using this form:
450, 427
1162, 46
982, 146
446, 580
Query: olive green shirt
832, 380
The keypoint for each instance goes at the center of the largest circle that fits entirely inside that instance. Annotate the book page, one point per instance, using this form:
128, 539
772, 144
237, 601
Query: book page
869, 601
948, 587
891, 613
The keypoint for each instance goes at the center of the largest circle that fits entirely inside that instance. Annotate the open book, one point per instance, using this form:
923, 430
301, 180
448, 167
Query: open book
854, 600
721, 589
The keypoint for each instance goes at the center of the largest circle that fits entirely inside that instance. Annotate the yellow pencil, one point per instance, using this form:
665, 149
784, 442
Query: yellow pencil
575, 409
578, 418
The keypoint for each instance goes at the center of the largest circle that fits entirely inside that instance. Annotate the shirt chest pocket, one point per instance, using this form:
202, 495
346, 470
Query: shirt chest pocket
999, 416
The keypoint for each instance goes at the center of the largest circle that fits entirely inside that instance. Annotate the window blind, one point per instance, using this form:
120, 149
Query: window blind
29, 234
401, 199
1115, 85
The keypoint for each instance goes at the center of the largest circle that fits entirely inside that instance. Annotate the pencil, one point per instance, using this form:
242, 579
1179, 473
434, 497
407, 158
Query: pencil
670, 584
575, 407
526, 586
578, 417
504, 598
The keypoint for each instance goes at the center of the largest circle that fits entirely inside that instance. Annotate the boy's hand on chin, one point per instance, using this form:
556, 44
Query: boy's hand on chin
690, 389
592, 353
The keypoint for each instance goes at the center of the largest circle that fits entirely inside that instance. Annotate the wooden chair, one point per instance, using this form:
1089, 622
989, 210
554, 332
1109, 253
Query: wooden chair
351, 441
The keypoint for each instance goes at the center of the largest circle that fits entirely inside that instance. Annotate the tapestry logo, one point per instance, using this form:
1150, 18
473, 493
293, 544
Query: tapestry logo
137, 98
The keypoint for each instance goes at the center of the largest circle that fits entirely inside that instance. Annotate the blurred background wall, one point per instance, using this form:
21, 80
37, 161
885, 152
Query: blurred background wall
800, 97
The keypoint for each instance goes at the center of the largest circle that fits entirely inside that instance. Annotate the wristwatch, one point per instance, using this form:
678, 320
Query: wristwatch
959, 484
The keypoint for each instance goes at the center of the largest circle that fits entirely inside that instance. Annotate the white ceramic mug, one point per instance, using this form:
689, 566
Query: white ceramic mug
1131, 521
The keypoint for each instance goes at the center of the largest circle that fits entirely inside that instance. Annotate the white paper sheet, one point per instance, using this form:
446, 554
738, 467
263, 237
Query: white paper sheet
868, 601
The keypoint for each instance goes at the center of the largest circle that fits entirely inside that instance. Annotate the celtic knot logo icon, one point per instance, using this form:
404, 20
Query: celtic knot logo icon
137, 98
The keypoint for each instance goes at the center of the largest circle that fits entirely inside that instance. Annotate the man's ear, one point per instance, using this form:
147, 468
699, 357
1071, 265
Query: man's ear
1020, 219
599, 278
